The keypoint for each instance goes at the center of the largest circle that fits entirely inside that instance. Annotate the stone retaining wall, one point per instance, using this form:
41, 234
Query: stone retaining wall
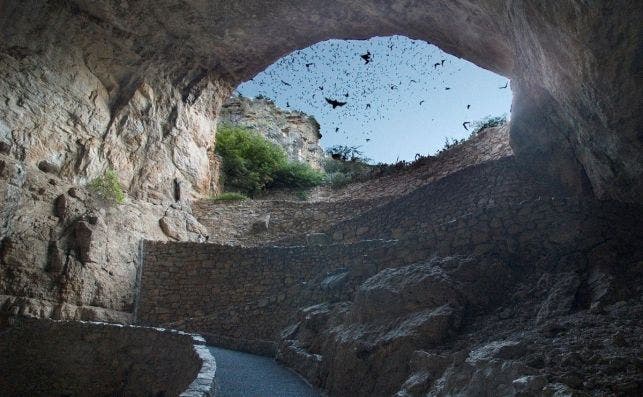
44, 357
233, 223
247, 294
243, 293
487, 185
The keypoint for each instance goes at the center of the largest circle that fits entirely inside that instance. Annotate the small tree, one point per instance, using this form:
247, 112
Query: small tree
346, 153
249, 160
297, 175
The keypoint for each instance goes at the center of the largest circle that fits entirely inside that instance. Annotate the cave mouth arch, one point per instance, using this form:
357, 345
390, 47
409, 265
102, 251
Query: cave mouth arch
567, 83
575, 68
399, 97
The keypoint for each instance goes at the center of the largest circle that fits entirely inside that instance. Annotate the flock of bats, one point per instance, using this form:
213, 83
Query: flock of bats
357, 79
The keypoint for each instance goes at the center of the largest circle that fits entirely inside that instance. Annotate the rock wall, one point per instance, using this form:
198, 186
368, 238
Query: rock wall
66, 254
244, 294
58, 111
260, 222
248, 292
42, 357
79, 96
495, 324
297, 132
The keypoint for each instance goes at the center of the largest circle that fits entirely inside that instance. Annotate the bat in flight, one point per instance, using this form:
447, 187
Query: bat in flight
335, 103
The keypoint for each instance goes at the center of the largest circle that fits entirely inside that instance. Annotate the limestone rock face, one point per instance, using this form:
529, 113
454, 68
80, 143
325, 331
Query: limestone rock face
77, 100
471, 326
67, 255
364, 346
296, 132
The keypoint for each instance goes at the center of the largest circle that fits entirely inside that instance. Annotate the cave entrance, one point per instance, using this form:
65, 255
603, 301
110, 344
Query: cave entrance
392, 98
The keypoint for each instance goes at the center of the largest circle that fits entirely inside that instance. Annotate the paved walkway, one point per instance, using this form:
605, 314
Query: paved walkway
246, 375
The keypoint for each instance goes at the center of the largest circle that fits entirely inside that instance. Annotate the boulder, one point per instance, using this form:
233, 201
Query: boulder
261, 225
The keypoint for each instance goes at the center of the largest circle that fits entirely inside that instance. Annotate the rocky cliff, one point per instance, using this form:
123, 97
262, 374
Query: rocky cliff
297, 132
67, 254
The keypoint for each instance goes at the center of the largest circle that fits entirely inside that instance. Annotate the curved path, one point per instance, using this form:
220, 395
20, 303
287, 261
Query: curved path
247, 375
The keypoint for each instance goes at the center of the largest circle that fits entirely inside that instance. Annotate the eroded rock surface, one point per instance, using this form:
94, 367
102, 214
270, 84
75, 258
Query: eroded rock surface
476, 326
60, 116
365, 345
68, 255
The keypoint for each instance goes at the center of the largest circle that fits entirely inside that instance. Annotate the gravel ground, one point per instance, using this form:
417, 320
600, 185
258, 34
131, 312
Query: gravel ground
247, 375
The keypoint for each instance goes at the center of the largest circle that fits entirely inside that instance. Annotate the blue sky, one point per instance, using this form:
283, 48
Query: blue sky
398, 101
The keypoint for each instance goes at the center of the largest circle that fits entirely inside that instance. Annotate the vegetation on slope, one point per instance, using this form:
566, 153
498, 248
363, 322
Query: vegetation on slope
478, 126
345, 165
348, 164
252, 164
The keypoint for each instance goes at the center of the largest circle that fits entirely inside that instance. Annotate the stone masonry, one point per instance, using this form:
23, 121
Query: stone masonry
45, 357
250, 293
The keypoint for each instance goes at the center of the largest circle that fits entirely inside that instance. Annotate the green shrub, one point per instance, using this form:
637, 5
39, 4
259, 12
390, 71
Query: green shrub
340, 172
108, 187
297, 175
228, 196
249, 160
252, 164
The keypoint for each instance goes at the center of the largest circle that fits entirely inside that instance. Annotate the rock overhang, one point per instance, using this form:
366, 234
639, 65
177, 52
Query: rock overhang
573, 66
